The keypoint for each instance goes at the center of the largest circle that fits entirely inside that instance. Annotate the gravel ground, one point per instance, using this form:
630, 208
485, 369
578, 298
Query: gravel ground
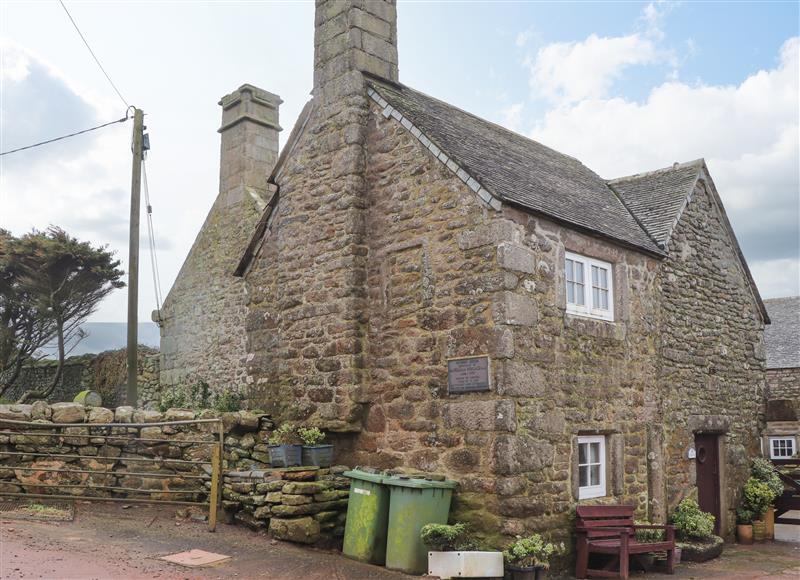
107, 541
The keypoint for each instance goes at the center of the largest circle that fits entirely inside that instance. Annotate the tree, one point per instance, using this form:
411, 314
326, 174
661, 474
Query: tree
23, 329
62, 280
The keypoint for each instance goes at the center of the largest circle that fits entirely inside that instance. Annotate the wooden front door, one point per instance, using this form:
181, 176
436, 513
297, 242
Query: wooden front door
707, 448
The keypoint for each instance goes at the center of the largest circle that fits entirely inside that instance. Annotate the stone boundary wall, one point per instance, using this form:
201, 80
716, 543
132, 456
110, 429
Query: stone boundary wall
105, 372
305, 505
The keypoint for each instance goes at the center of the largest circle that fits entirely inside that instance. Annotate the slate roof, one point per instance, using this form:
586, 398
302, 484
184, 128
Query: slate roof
518, 170
657, 198
782, 336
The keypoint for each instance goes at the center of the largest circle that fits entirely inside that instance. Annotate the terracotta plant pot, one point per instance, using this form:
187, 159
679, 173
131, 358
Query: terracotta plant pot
759, 530
769, 520
744, 532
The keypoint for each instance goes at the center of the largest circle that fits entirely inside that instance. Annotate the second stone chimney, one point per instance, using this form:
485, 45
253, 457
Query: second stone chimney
354, 35
249, 141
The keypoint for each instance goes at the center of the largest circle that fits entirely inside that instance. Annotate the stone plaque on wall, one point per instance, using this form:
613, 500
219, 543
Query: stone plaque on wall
468, 375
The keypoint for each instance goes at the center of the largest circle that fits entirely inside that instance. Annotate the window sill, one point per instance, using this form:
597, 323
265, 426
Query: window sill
595, 326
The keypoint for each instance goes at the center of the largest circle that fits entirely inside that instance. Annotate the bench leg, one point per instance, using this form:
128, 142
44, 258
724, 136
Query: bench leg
670, 561
624, 570
582, 561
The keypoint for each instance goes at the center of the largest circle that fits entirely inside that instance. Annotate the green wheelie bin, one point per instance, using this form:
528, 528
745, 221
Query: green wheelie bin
413, 503
367, 517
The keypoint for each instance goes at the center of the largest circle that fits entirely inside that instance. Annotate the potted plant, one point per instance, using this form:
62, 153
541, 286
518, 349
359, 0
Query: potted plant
284, 447
744, 526
757, 498
763, 470
453, 553
693, 527
527, 556
646, 536
313, 452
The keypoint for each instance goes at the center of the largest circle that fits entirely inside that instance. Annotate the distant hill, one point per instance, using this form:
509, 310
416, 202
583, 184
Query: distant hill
104, 336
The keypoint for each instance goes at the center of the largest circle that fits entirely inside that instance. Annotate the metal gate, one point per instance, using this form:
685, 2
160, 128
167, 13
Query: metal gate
109, 475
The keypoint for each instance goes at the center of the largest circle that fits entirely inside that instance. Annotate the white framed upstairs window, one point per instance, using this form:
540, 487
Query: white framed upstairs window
591, 466
782, 447
590, 287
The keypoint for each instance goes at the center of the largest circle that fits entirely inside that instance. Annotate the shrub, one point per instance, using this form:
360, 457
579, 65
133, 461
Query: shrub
311, 436
286, 434
744, 516
228, 402
173, 398
648, 534
757, 497
691, 522
445, 538
765, 472
199, 395
531, 550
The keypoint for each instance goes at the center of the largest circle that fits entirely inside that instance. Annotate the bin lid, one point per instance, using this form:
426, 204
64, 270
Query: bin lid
365, 476
419, 483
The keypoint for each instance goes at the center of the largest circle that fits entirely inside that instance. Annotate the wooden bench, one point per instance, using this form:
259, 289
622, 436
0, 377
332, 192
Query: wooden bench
610, 530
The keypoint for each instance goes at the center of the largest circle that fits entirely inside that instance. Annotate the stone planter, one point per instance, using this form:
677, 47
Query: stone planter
465, 564
744, 532
285, 455
523, 572
759, 530
701, 551
319, 455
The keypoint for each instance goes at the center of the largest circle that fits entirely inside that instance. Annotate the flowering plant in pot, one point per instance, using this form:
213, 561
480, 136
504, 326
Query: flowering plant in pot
764, 471
527, 556
758, 497
284, 447
454, 553
314, 452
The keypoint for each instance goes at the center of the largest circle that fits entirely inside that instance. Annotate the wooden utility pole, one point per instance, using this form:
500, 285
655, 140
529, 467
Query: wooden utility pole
133, 257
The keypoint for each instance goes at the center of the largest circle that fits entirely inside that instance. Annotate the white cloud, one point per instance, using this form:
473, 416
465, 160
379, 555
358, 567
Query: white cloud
568, 72
511, 116
747, 132
777, 278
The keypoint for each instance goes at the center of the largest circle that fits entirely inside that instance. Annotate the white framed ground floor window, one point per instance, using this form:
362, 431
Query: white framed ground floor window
782, 447
591, 466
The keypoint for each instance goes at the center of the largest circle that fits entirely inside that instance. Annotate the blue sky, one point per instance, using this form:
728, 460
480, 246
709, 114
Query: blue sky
624, 87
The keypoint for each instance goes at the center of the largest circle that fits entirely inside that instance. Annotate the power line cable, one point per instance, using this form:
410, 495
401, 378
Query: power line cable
122, 120
93, 54
152, 241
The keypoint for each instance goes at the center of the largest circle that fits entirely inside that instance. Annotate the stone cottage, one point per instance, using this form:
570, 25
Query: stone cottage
445, 295
782, 339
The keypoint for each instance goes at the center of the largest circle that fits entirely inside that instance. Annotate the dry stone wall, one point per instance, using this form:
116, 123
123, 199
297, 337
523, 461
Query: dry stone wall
105, 373
784, 384
304, 505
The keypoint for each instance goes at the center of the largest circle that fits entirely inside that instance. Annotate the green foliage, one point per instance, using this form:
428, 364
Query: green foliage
311, 436
531, 550
50, 283
286, 434
764, 471
445, 538
648, 535
744, 516
757, 497
198, 395
692, 523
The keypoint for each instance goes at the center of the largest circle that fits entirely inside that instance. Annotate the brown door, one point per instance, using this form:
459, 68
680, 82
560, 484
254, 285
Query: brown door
707, 449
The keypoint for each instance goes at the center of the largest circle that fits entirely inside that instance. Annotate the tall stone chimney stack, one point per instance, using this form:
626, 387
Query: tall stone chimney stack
354, 35
249, 144
203, 317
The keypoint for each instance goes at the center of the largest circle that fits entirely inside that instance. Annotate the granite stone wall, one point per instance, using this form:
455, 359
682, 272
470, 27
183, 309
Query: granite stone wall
712, 358
105, 373
783, 384
202, 320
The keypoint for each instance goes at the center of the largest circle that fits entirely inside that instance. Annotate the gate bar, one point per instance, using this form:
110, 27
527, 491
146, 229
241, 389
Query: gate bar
115, 499
114, 473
